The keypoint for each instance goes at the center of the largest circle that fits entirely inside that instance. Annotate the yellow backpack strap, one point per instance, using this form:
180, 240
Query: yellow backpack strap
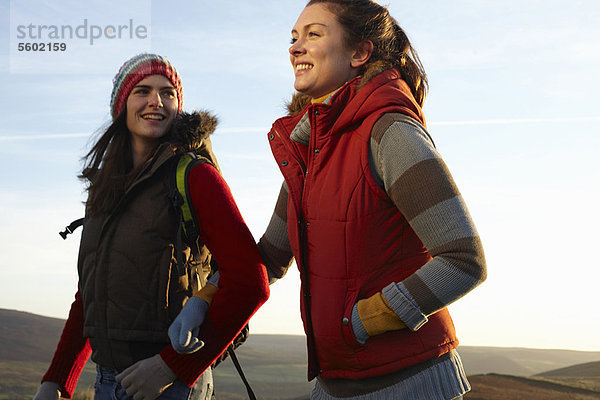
189, 221
188, 230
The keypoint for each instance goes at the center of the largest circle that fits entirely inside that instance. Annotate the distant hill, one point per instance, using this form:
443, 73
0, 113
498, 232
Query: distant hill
28, 337
520, 361
276, 364
591, 369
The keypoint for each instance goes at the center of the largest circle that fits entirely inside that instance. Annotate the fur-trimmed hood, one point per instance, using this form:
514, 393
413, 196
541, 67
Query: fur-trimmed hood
191, 133
191, 130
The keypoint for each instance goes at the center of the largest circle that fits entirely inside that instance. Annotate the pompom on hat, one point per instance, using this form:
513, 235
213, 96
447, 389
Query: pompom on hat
133, 71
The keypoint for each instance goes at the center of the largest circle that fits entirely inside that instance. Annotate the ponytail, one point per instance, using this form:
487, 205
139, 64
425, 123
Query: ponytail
409, 65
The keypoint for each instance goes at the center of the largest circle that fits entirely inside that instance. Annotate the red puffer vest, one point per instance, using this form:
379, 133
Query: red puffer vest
348, 237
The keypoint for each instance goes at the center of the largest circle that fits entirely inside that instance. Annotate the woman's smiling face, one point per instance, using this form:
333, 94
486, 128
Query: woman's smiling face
151, 107
319, 54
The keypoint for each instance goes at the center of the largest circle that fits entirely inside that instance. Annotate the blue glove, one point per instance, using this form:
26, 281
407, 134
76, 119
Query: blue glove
183, 331
214, 280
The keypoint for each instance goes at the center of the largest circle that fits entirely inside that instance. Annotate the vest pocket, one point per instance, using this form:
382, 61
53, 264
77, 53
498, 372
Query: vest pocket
332, 301
346, 323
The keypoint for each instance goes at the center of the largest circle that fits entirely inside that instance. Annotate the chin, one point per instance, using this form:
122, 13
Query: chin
304, 92
302, 88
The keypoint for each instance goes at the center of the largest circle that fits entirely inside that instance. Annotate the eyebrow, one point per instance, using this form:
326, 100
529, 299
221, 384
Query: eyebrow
309, 25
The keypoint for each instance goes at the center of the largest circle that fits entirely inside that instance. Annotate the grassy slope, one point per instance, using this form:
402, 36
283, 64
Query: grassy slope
20, 379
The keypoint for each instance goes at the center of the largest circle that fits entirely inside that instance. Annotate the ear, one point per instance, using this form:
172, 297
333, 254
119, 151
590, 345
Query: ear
361, 54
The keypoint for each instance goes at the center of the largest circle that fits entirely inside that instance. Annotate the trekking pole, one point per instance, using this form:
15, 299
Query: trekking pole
239, 370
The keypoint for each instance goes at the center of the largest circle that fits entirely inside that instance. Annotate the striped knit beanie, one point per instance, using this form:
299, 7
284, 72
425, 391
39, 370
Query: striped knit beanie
136, 69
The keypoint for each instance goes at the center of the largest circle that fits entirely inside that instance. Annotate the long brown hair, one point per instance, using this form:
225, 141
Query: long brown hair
108, 167
367, 20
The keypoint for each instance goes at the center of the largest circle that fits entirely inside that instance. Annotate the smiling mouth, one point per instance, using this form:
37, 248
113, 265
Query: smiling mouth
301, 67
153, 117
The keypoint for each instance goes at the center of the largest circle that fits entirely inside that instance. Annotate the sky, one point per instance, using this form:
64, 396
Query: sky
513, 109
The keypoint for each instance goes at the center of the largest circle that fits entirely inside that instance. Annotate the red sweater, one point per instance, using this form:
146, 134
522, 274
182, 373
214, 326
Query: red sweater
243, 288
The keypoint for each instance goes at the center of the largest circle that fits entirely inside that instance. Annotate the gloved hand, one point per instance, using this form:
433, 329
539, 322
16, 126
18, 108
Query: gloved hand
48, 391
214, 280
146, 379
183, 331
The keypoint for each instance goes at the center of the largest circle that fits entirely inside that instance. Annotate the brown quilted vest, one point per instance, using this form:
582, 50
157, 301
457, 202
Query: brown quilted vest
128, 276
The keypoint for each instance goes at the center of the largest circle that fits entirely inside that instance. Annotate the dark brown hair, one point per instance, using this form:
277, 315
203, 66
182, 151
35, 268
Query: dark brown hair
108, 167
367, 20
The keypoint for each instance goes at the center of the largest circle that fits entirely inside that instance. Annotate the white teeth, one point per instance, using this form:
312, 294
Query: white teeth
154, 117
300, 67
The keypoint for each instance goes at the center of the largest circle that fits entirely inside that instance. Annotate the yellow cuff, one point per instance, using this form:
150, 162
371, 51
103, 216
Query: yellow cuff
377, 316
207, 292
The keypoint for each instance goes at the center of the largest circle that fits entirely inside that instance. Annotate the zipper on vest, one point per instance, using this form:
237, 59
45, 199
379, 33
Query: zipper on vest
303, 263
307, 297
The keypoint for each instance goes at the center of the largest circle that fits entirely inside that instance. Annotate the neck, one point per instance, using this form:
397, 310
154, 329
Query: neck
141, 152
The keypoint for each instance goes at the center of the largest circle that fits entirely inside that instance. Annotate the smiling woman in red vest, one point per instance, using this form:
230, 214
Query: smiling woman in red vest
368, 209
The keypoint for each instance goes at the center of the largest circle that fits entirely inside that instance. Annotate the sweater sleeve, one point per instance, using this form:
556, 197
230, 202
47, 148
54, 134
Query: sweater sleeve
274, 245
243, 284
72, 352
417, 180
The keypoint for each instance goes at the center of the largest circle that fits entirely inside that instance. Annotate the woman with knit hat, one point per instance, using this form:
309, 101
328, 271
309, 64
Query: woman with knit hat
130, 283
368, 209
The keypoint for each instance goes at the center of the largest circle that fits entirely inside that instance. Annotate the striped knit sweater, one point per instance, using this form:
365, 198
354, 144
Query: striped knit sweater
406, 164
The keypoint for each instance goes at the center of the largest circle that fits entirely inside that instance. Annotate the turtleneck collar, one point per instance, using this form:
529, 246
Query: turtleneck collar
324, 99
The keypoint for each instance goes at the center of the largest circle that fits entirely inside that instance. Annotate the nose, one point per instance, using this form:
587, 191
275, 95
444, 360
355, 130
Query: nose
297, 48
155, 100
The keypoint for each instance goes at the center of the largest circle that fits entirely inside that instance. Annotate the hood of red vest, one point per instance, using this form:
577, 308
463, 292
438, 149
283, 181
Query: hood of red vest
354, 103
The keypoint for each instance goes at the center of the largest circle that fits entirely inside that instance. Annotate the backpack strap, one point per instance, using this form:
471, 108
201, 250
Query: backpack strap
185, 164
71, 228
180, 198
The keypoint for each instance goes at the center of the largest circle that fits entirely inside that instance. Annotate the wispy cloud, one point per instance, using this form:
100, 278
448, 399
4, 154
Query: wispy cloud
263, 129
14, 138
514, 121
26, 137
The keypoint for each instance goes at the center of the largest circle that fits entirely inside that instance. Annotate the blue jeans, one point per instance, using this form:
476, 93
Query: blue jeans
107, 388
